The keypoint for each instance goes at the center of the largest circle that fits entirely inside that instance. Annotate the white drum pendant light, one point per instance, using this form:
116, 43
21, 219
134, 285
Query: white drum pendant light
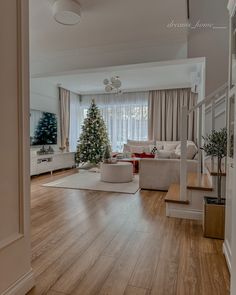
66, 12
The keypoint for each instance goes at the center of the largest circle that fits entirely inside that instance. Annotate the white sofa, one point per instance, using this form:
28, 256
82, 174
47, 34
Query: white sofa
160, 173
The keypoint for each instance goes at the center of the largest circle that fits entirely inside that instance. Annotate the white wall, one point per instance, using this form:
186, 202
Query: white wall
44, 96
210, 43
110, 55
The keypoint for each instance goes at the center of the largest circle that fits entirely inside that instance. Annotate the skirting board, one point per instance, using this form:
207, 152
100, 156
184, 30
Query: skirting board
184, 213
227, 253
21, 286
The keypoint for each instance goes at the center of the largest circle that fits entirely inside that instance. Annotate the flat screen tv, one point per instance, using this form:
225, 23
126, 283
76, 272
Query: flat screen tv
43, 128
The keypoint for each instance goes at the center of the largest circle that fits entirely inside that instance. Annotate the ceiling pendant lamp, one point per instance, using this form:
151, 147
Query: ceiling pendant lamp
66, 12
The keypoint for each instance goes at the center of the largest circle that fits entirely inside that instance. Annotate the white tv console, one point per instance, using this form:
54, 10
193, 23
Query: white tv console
51, 162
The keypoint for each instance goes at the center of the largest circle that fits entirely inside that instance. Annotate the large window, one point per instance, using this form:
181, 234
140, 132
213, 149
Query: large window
126, 116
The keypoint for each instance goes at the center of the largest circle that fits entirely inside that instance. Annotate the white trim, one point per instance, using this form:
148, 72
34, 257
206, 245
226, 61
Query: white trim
187, 61
22, 285
218, 102
143, 89
227, 253
183, 159
184, 213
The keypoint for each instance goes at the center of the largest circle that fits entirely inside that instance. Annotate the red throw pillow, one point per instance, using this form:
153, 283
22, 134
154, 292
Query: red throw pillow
144, 155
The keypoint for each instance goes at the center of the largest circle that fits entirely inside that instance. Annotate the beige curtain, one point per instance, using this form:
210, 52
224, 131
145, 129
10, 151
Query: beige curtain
64, 98
164, 114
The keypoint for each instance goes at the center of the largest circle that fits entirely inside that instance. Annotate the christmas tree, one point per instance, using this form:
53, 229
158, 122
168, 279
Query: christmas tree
46, 131
93, 140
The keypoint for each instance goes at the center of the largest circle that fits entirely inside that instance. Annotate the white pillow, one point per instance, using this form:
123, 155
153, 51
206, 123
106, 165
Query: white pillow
140, 143
170, 146
191, 150
159, 145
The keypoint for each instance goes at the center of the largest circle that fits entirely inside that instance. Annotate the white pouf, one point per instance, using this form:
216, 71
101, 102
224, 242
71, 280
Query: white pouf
117, 173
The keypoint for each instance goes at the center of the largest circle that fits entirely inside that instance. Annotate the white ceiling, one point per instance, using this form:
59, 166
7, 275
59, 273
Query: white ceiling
110, 33
160, 75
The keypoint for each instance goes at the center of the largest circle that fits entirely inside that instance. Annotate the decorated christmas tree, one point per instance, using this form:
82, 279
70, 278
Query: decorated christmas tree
46, 131
93, 140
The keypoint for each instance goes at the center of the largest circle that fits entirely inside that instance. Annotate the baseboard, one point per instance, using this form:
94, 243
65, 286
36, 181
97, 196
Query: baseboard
227, 253
184, 213
21, 286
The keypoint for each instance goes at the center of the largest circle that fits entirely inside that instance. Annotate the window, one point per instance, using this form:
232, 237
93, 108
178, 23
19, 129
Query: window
126, 116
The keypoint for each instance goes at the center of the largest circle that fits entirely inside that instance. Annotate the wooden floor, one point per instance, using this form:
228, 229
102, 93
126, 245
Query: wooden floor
87, 242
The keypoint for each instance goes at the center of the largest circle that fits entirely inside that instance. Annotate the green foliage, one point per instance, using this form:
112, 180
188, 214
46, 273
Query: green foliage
107, 153
215, 144
46, 131
93, 140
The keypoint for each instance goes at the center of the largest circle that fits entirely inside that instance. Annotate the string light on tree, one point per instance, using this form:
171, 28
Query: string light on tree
93, 139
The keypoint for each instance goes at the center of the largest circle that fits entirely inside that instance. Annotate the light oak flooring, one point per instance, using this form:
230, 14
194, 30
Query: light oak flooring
87, 242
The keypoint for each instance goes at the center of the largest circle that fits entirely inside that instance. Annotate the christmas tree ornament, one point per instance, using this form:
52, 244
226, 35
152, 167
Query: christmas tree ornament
93, 139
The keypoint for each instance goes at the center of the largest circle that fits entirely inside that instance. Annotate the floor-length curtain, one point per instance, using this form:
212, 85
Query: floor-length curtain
64, 99
165, 111
74, 120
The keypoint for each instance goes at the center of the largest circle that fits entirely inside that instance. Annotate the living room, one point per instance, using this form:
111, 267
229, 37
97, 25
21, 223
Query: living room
124, 132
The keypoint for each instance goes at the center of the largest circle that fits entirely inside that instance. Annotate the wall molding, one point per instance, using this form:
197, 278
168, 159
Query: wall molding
227, 253
22, 285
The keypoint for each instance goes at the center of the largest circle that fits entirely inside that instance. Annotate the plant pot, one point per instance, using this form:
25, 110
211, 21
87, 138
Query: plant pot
214, 218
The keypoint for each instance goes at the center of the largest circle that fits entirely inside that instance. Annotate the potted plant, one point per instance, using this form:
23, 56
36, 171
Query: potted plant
107, 155
215, 145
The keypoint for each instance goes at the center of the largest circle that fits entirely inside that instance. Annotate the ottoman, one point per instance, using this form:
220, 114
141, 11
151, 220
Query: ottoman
117, 173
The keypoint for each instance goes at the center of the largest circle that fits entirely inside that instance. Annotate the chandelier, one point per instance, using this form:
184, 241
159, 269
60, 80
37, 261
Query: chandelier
113, 85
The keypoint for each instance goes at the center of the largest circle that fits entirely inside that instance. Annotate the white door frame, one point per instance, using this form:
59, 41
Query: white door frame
16, 275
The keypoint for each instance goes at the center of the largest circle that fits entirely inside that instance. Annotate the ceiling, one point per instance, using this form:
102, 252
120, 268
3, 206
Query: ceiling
149, 76
110, 33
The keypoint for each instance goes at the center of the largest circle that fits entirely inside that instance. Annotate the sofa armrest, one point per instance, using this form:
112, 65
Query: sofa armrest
159, 174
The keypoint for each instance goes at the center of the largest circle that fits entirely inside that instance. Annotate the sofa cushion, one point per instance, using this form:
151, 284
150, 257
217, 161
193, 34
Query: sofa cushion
162, 154
140, 143
169, 146
191, 150
138, 149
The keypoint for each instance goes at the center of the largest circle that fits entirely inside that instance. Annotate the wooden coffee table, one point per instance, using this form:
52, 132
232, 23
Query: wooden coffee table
134, 161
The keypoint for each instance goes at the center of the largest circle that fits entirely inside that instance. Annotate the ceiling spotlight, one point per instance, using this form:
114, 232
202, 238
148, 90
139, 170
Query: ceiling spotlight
66, 12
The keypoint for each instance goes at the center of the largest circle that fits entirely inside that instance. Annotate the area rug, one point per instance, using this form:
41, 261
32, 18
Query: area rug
85, 180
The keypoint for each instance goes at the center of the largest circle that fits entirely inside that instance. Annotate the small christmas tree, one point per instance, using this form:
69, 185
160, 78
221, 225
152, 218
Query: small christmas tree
46, 131
93, 140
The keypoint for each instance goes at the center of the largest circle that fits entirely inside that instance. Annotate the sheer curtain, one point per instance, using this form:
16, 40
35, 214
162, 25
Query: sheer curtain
74, 120
125, 115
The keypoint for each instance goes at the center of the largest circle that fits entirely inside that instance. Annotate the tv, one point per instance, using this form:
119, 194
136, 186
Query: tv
43, 128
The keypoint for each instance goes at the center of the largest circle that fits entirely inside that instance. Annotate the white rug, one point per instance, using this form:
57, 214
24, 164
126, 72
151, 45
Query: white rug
85, 180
